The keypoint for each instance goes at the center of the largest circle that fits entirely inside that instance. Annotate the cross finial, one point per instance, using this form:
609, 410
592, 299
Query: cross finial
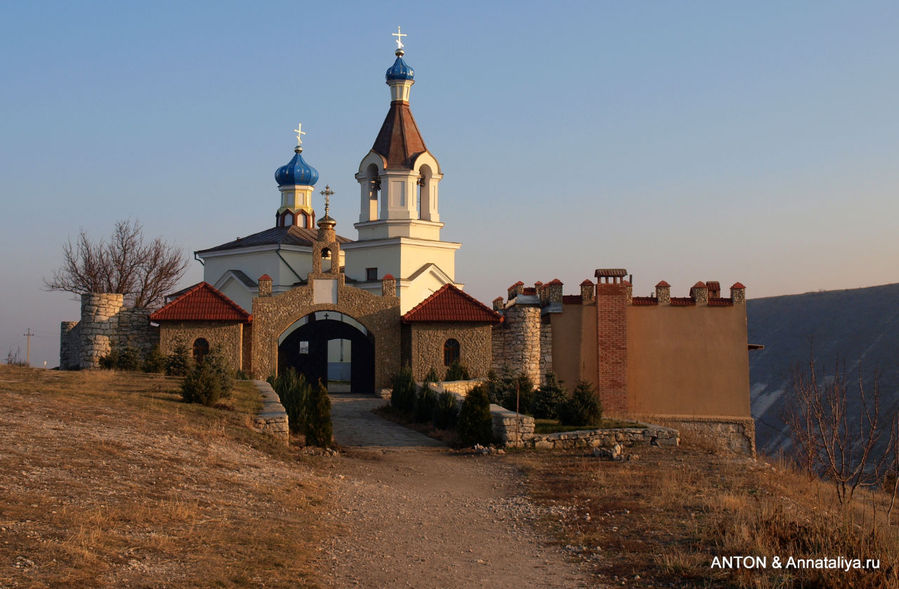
327, 192
299, 131
399, 38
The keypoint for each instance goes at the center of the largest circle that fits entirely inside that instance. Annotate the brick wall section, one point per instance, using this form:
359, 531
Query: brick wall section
611, 339
427, 339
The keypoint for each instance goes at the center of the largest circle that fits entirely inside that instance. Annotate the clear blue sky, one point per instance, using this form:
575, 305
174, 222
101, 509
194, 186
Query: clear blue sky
684, 141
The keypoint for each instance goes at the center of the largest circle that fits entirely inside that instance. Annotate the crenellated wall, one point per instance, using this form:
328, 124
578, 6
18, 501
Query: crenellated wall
681, 358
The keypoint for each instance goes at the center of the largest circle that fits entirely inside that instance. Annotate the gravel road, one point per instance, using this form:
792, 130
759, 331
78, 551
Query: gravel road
414, 514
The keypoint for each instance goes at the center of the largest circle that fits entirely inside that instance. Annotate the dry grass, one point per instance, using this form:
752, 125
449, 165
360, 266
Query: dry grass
107, 479
664, 517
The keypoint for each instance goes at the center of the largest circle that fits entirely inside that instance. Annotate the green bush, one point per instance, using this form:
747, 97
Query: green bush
456, 371
208, 381
125, 358
154, 361
318, 417
583, 408
549, 398
293, 391
446, 412
425, 404
506, 389
403, 396
432, 376
475, 424
179, 361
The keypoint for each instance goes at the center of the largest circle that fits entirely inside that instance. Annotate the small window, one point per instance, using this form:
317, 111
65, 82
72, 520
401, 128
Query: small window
371, 274
450, 352
288, 219
201, 349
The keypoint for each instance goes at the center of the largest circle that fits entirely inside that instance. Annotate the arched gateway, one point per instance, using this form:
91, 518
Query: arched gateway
330, 347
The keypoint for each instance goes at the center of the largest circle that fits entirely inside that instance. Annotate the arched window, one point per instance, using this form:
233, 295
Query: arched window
201, 349
424, 193
370, 208
288, 219
303, 220
450, 351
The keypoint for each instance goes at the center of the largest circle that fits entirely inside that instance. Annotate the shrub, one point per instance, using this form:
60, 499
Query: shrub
475, 424
154, 361
446, 412
425, 404
126, 358
208, 381
456, 371
179, 362
549, 398
510, 390
293, 390
432, 376
318, 417
403, 396
583, 408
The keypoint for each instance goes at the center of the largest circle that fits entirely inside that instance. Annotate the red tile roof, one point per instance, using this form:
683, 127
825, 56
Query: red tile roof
554, 281
720, 302
451, 304
738, 285
265, 277
682, 302
388, 277
662, 283
700, 284
644, 301
202, 302
587, 282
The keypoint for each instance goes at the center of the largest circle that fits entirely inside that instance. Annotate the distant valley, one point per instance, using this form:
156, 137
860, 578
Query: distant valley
857, 327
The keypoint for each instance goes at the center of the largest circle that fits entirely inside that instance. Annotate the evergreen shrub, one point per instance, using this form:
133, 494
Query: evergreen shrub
583, 408
475, 424
549, 398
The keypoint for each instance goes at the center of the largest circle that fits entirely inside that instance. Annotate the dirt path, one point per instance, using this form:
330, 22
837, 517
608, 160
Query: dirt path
414, 515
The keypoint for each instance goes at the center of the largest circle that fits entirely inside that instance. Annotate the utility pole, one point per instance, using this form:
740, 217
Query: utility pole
28, 334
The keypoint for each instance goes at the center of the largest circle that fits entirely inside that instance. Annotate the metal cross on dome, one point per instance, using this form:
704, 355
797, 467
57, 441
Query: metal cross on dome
399, 37
299, 131
327, 192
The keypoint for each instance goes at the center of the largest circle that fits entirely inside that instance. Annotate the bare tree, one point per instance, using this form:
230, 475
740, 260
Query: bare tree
125, 263
831, 442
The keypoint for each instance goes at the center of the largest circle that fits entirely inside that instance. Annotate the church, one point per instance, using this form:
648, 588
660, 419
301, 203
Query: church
351, 312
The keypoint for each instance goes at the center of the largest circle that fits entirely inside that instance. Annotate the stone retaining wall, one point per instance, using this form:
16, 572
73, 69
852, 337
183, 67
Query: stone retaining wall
272, 419
606, 438
734, 434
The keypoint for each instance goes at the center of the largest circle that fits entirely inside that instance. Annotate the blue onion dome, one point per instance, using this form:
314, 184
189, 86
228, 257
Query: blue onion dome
296, 171
400, 70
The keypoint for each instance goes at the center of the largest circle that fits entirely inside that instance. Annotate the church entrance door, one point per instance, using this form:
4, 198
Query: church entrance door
331, 347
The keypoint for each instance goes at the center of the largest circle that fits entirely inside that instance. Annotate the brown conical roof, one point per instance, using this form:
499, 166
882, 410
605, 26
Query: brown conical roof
399, 140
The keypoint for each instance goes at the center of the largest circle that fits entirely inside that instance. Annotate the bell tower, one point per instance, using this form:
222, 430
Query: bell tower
399, 220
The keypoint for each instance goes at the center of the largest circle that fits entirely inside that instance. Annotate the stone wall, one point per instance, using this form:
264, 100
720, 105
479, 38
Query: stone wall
105, 323
546, 351
69, 345
518, 346
510, 428
272, 419
226, 337
606, 438
426, 349
274, 315
733, 434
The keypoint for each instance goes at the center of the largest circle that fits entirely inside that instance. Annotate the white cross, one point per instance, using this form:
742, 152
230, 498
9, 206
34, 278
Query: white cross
399, 37
299, 131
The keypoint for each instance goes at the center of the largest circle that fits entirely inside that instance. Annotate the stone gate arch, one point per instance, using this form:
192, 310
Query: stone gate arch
276, 317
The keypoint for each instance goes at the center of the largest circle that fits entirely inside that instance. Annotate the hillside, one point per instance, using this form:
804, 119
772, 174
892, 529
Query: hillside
859, 327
